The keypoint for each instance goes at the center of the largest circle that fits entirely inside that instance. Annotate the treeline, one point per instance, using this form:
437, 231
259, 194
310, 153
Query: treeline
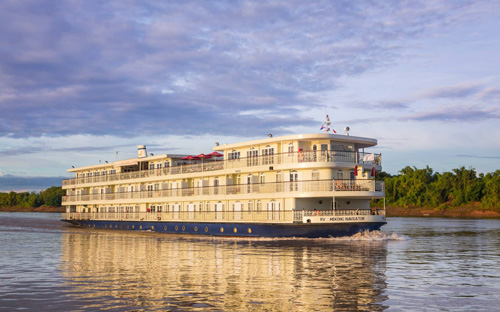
49, 197
423, 187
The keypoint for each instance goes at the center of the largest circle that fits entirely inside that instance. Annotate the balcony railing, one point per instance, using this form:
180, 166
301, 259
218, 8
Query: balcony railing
344, 185
267, 160
218, 216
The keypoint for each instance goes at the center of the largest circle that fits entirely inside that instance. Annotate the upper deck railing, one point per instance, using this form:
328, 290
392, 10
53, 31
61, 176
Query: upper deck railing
214, 165
311, 186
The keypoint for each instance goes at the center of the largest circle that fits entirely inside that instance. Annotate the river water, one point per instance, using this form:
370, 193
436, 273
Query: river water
414, 264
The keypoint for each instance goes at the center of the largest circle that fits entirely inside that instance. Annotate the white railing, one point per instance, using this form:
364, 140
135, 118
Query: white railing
218, 216
268, 160
345, 185
278, 216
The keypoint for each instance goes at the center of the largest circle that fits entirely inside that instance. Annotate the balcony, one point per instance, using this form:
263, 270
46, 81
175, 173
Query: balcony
209, 166
312, 186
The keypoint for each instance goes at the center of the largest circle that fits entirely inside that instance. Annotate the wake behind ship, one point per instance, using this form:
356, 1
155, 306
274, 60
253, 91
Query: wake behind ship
307, 185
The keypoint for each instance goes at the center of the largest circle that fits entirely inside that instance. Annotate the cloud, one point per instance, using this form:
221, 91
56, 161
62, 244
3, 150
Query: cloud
458, 113
193, 67
459, 91
479, 156
10, 183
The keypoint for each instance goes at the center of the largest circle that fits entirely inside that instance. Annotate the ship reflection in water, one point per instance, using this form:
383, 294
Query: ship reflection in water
136, 271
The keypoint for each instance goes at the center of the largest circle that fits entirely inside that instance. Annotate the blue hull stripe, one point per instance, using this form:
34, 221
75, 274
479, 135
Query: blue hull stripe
234, 229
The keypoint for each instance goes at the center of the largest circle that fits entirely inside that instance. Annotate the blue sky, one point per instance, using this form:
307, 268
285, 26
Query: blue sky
83, 80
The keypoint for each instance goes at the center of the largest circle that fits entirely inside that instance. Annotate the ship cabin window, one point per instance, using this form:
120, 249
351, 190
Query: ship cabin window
324, 149
150, 187
250, 205
167, 164
112, 171
315, 148
252, 155
267, 154
151, 166
315, 175
104, 172
207, 206
290, 148
200, 206
340, 175
259, 205
234, 155
157, 186
158, 208
351, 174
262, 178
89, 174
158, 166
97, 173
279, 177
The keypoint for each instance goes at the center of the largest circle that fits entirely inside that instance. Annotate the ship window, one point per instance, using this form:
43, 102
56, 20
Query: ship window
340, 175
104, 172
167, 164
234, 155
262, 178
324, 148
250, 205
279, 177
259, 205
158, 166
315, 175
151, 166
290, 148
351, 174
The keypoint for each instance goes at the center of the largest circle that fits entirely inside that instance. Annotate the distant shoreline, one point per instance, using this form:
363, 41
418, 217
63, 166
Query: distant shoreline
31, 209
473, 211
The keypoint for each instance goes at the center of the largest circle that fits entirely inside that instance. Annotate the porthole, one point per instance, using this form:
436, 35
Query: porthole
140, 227
249, 231
196, 229
133, 227
152, 227
235, 230
221, 229
128, 226
176, 228
183, 228
206, 229
116, 226
165, 227
120, 226
105, 226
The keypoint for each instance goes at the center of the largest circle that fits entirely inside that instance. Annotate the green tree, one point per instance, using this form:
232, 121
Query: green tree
52, 196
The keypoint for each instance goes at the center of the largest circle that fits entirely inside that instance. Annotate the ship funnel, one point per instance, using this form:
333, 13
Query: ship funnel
141, 151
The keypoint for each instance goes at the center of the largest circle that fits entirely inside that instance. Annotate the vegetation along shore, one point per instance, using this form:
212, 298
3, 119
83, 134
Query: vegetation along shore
412, 192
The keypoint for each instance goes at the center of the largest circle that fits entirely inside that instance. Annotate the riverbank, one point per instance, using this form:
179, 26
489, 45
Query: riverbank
31, 209
474, 211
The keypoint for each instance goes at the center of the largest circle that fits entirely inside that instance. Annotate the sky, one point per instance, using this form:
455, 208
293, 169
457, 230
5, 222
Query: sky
82, 82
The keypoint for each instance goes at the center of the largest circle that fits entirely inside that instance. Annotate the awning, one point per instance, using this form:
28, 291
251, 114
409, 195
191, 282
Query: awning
127, 162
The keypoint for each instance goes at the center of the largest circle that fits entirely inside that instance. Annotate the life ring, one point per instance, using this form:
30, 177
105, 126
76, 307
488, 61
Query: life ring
301, 156
339, 184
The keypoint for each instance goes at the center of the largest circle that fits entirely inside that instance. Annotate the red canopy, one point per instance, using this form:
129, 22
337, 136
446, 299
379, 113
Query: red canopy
215, 154
203, 156
190, 157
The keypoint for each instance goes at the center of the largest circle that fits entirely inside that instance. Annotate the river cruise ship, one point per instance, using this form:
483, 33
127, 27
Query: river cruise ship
306, 185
